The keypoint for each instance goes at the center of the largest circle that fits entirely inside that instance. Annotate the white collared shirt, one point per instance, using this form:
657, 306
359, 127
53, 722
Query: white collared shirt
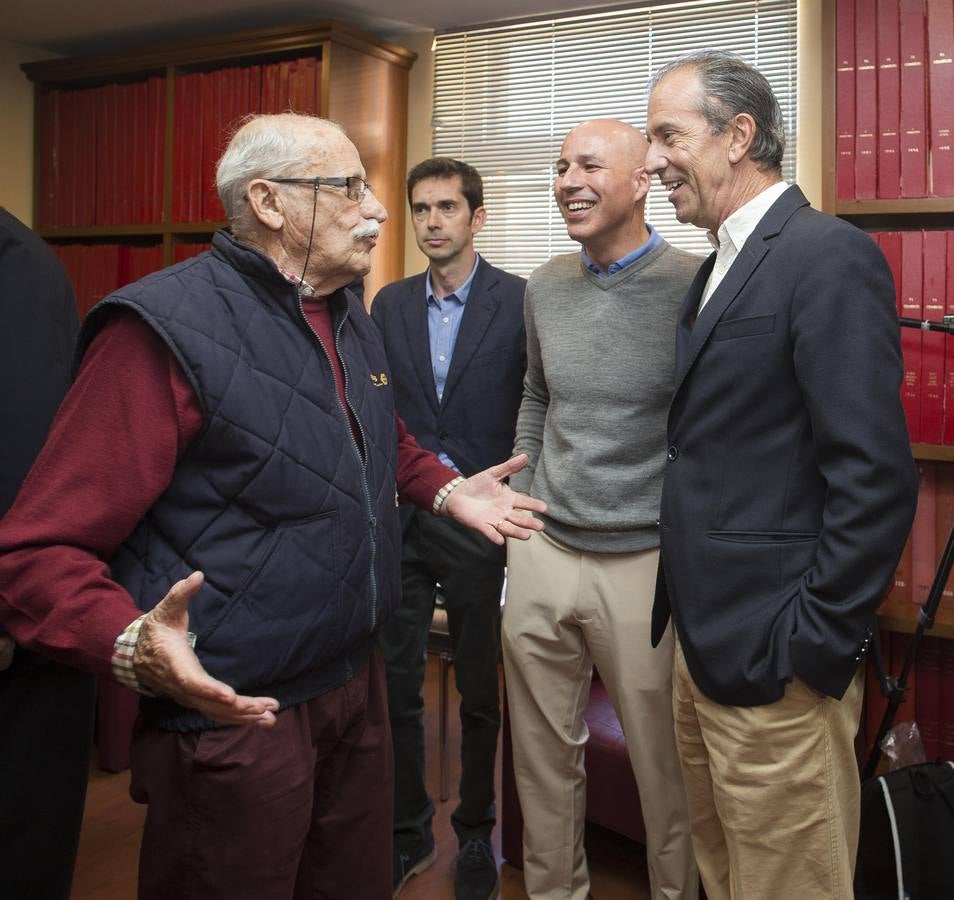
734, 232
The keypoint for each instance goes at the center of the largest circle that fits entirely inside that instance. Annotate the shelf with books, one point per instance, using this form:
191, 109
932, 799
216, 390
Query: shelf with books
127, 142
888, 164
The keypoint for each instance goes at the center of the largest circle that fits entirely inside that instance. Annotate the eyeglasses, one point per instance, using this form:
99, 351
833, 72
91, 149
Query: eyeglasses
355, 186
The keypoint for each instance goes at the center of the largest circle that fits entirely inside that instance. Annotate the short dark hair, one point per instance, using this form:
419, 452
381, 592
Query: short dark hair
471, 184
731, 86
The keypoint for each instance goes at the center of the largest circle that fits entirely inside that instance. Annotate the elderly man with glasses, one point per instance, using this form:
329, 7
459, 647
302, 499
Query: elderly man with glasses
213, 522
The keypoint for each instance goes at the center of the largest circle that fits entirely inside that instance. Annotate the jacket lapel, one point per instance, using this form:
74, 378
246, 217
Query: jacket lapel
414, 314
741, 270
687, 314
479, 310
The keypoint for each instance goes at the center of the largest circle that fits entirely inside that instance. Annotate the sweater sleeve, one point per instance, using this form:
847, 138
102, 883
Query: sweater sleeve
111, 452
533, 405
420, 473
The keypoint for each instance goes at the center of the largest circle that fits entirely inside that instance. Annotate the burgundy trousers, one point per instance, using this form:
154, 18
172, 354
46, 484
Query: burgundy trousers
300, 810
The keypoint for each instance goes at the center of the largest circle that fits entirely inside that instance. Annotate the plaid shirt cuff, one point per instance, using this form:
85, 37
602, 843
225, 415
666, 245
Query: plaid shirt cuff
444, 493
123, 651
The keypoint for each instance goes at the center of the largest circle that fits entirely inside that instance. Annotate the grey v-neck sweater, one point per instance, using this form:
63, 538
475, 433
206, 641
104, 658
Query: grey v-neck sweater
600, 369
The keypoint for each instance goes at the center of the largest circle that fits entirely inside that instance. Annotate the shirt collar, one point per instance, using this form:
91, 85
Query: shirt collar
736, 229
460, 293
652, 242
304, 288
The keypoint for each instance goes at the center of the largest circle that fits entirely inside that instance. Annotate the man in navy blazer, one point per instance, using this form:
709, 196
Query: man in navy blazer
788, 494
457, 350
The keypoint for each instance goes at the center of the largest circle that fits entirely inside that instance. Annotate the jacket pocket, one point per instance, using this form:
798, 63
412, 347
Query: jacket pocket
763, 537
730, 329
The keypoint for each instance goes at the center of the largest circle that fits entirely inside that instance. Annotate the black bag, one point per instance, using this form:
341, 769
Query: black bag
906, 846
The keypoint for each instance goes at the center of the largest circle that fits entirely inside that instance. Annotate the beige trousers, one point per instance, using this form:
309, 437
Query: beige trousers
565, 611
773, 791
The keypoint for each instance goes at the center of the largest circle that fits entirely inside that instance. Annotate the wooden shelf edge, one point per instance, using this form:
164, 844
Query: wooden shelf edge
243, 45
915, 205
933, 451
156, 229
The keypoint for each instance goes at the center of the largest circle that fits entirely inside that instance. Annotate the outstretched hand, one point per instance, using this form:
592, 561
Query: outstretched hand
483, 502
165, 663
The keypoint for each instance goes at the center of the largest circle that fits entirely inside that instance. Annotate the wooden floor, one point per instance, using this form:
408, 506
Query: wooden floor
109, 844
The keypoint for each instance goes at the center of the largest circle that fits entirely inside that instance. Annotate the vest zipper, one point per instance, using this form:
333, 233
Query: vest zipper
362, 461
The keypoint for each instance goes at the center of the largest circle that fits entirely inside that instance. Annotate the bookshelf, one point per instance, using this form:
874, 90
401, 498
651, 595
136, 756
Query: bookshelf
887, 113
123, 140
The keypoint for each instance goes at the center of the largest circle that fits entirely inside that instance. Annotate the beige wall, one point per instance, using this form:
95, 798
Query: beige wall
809, 126
16, 136
420, 103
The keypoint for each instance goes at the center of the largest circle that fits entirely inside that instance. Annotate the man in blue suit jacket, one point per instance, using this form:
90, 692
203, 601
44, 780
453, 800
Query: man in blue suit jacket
457, 350
788, 493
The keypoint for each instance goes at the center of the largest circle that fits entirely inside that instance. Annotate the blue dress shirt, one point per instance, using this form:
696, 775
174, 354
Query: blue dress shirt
443, 324
654, 241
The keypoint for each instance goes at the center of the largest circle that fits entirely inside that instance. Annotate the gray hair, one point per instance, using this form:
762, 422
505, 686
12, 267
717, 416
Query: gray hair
264, 146
731, 86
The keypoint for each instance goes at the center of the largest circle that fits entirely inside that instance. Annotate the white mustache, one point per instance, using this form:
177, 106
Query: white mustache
368, 230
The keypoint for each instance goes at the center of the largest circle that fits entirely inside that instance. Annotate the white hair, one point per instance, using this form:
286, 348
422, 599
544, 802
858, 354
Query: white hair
264, 146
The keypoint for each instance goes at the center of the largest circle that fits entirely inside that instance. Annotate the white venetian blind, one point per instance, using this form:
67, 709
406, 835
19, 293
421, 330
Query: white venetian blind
505, 97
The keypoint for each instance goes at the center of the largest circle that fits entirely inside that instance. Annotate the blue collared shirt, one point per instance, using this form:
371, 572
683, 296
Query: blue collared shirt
654, 241
443, 324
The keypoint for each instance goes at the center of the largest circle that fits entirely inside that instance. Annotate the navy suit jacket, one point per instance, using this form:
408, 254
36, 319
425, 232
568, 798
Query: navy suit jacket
474, 424
790, 487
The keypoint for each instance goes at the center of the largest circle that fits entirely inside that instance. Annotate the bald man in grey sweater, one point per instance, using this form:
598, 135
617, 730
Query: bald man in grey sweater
600, 337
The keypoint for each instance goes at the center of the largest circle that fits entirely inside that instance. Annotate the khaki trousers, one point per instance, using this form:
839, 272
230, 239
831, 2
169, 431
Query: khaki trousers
565, 611
773, 791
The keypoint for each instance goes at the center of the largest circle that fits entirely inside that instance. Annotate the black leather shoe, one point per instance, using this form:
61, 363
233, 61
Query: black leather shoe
477, 877
411, 858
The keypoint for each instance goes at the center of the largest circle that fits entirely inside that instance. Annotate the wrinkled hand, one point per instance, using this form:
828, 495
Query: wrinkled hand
165, 663
483, 502
6, 651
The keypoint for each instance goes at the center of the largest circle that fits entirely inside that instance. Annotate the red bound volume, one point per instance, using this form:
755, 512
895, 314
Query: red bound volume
890, 244
940, 76
157, 148
923, 533
866, 100
948, 432
946, 731
124, 149
911, 307
928, 700
889, 101
900, 590
49, 156
933, 343
845, 100
913, 101
180, 152
944, 519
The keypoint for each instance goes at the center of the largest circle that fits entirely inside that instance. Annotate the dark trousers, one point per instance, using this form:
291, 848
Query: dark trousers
46, 735
299, 810
470, 571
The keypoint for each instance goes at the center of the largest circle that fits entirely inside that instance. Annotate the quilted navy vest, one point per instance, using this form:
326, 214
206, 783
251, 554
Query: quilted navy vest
294, 527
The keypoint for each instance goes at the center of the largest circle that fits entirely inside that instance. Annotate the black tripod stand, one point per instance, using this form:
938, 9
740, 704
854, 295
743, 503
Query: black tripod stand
893, 687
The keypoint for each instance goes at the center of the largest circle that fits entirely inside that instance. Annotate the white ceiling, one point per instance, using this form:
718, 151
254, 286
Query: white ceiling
79, 27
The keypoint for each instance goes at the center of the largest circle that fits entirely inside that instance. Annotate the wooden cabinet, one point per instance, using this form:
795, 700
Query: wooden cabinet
359, 82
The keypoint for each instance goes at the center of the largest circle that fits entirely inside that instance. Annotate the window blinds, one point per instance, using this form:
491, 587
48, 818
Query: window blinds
505, 97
